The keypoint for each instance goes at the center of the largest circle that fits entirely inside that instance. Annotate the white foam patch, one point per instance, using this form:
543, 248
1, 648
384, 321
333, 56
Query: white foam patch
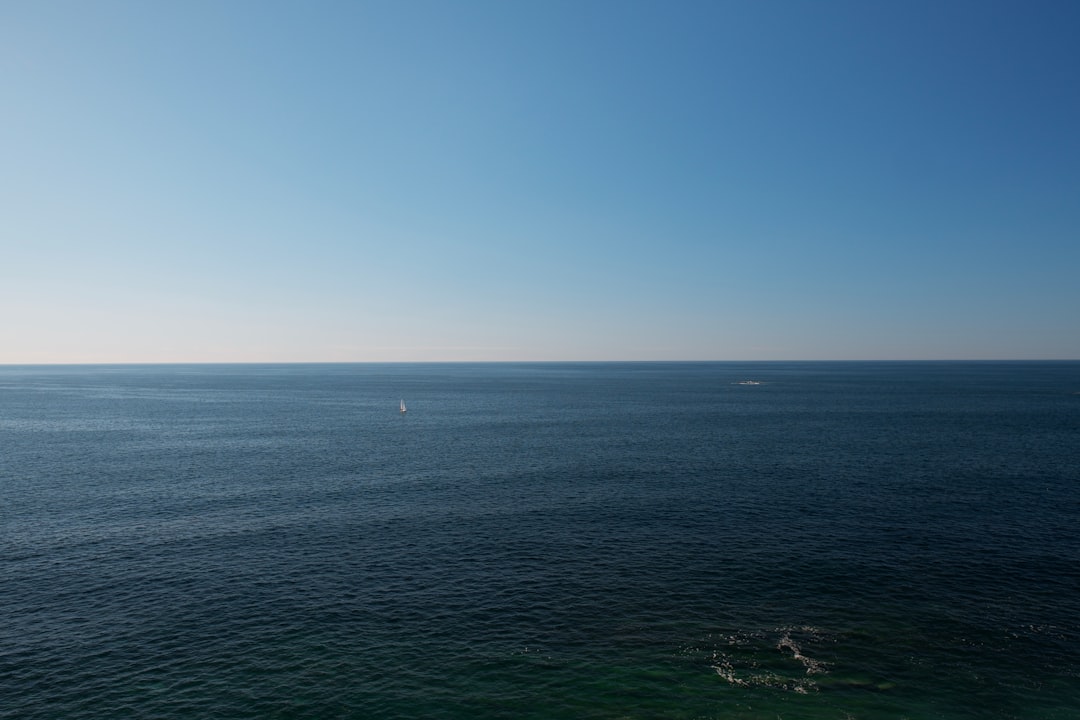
813, 667
764, 659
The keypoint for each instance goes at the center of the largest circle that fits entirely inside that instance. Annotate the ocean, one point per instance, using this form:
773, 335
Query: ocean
556, 540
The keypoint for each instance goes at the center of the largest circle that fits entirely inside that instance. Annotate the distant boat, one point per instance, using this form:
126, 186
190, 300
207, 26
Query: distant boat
403, 406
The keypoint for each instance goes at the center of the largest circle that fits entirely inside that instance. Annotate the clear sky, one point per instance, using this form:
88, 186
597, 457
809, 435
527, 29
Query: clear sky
538, 180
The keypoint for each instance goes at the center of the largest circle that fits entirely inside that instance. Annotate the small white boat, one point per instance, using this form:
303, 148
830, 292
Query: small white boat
403, 406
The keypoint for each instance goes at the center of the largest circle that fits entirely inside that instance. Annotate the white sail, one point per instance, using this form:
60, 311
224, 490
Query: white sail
402, 406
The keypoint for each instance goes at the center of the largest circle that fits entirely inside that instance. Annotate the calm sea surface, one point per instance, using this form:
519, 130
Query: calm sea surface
655, 540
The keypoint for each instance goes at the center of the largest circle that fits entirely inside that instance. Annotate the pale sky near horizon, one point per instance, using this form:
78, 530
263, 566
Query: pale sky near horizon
538, 180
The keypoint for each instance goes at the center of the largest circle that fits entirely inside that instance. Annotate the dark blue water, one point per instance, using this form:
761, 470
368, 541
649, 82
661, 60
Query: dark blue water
842, 540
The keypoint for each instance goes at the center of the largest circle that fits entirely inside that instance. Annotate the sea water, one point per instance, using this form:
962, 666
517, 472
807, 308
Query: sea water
602, 540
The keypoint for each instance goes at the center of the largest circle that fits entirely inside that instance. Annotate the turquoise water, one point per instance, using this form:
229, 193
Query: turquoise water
653, 540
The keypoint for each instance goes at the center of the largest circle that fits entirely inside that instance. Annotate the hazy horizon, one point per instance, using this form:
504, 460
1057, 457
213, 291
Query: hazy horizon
795, 361
538, 182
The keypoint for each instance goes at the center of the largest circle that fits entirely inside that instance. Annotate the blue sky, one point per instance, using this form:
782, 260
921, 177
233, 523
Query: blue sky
538, 180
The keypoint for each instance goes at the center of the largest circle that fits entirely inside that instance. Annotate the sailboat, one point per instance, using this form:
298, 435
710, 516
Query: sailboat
402, 406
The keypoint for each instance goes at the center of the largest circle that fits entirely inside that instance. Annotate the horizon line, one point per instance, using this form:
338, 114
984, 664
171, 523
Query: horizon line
529, 362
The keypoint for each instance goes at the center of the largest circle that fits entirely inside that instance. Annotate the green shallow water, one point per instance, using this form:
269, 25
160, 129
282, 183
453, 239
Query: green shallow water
844, 540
